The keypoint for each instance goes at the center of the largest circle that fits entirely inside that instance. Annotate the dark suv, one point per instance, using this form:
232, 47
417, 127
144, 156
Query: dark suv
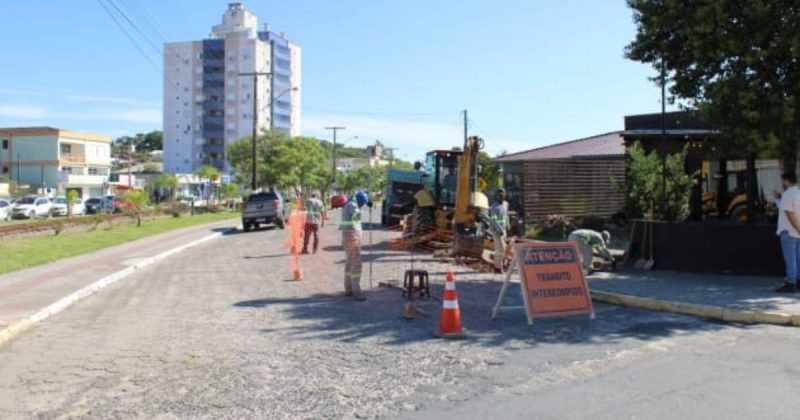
264, 207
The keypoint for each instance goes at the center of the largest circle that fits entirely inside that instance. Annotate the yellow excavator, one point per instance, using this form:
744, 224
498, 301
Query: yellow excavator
451, 207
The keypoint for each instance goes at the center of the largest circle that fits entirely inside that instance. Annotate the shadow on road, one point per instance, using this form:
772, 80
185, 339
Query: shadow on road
336, 317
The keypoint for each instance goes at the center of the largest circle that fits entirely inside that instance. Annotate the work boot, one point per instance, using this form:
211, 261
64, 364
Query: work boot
359, 298
305, 252
787, 288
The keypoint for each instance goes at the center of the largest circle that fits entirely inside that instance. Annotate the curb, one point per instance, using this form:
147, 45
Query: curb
702, 311
8, 333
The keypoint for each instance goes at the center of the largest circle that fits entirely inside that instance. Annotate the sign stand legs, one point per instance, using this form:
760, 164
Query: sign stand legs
502, 296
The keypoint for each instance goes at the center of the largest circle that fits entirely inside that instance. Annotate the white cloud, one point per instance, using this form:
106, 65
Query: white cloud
27, 112
75, 97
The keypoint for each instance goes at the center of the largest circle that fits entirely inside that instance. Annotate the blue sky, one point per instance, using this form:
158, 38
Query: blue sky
530, 72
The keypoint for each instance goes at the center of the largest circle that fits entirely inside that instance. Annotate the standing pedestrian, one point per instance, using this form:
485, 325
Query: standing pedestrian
498, 213
789, 231
351, 241
315, 213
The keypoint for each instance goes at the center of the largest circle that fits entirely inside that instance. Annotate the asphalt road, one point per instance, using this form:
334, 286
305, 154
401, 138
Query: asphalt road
221, 331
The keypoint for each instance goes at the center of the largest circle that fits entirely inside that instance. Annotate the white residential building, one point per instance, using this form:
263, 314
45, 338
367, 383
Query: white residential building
208, 104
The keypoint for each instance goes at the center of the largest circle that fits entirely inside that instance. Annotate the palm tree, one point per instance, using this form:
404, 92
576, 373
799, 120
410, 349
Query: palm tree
210, 174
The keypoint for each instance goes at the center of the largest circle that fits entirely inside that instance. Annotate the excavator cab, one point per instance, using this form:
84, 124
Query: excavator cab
447, 208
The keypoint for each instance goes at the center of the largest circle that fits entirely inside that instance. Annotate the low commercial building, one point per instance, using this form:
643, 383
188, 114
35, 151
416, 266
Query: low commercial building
55, 160
583, 177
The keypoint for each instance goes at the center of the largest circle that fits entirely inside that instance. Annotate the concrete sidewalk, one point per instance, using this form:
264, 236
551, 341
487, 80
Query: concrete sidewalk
715, 296
29, 295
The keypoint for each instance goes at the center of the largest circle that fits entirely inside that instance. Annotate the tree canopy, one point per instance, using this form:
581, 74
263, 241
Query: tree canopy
283, 162
144, 142
735, 62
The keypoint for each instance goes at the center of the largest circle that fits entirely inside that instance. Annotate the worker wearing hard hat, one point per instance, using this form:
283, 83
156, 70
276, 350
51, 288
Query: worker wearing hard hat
591, 243
498, 213
351, 241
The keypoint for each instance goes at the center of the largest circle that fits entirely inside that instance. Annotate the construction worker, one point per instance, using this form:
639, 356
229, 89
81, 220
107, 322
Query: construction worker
315, 213
351, 241
498, 214
591, 243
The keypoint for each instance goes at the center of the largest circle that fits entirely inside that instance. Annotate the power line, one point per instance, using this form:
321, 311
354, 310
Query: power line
135, 27
144, 14
128, 35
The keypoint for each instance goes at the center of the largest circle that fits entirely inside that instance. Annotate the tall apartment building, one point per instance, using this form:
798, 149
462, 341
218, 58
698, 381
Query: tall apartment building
208, 104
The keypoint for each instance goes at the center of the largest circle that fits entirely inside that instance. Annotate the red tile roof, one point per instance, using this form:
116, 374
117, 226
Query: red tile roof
602, 145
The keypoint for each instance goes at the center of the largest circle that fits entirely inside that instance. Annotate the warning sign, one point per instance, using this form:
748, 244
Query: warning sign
552, 279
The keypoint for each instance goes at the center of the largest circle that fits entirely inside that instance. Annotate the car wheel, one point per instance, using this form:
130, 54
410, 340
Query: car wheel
246, 227
257, 225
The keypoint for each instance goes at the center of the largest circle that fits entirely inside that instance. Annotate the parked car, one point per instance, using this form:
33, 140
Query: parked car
93, 205
60, 207
5, 209
264, 207
31, 206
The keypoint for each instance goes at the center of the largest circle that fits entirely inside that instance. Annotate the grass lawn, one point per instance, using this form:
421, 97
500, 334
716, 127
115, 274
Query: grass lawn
16, 254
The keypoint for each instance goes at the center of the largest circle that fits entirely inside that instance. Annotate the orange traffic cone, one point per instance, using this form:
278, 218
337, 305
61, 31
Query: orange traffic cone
450, 318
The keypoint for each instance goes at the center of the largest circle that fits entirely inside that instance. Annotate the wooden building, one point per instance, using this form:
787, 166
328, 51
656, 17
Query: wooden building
583, 177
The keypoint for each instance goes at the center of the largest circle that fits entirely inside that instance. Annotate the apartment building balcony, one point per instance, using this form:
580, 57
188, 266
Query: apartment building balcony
213, 120
214, 148
73, 158
213, 76
214, 105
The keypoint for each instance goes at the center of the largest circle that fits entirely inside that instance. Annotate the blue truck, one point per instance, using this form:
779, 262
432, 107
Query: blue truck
398, 198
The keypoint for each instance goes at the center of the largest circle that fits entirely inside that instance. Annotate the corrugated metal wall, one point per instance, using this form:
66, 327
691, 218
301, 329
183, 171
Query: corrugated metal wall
573, 187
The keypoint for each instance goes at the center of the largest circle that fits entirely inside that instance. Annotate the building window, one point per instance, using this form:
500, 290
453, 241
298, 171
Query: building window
5, 144
5, 169
98, 171
66, 148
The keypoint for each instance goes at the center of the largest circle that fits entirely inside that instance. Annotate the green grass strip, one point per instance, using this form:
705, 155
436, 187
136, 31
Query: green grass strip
17, 254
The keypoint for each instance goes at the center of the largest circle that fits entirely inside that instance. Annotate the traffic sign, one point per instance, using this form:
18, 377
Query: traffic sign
552, 280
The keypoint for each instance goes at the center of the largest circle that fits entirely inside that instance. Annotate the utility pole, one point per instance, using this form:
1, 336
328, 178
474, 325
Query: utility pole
663, 137
466, 129
254, 151
333, 166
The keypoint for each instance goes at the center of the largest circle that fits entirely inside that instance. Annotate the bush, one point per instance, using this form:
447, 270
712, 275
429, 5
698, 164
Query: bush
645, 185
552, 228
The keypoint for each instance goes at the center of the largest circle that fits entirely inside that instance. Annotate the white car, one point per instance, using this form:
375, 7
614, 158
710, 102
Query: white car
31, 206
60, 207
5, 209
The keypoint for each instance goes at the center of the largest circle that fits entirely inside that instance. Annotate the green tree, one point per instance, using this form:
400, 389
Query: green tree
239, 154
645, 188
735, 62
72, 195
298, 164
136, 201
167, 182
209, 174
229, 191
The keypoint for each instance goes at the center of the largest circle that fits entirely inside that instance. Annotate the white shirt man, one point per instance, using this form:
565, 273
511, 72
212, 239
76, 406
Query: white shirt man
789, 231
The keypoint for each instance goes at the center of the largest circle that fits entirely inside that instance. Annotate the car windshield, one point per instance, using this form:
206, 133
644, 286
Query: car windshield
262, 197
60, 200
93, 201
26, 200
